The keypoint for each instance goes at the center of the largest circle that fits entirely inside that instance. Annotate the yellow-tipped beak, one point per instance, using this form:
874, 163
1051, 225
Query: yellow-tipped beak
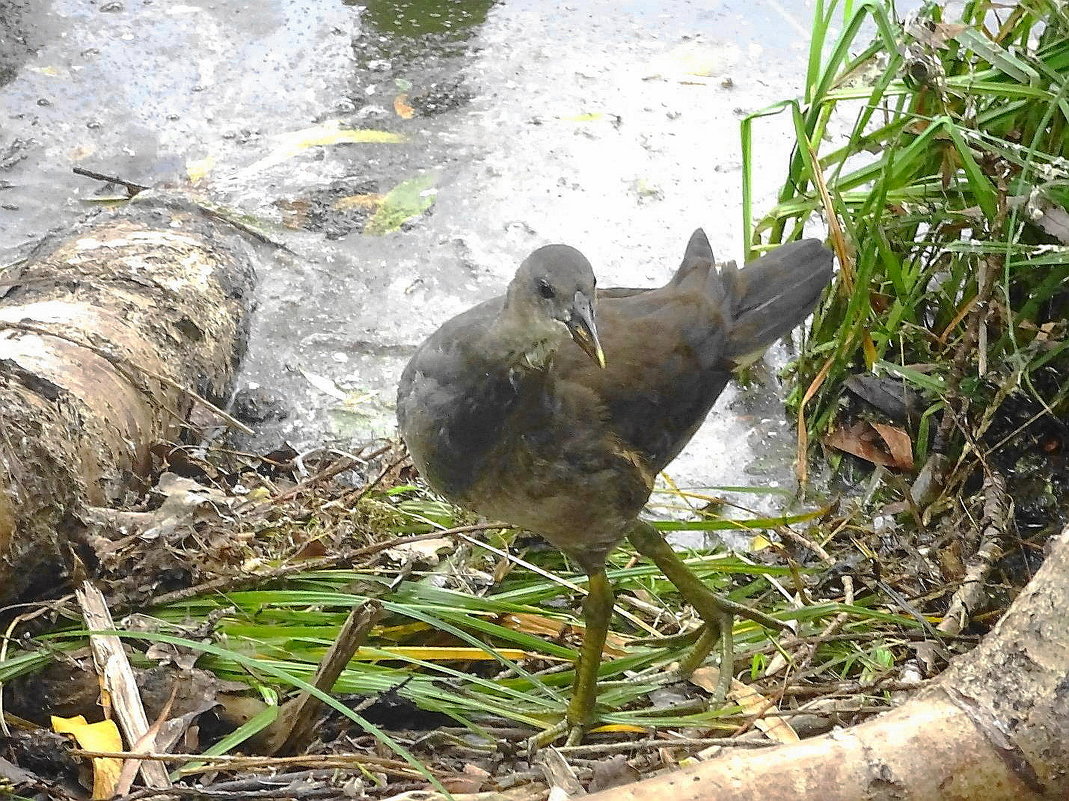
584, 331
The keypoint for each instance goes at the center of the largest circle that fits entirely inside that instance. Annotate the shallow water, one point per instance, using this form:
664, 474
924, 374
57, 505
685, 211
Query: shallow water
610, 126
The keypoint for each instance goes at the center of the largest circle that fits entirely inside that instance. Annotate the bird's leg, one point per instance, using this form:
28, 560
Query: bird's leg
670, 640
716, 610
597, 612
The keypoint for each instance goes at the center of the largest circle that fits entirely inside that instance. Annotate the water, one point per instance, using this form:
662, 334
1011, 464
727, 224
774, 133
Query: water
610, 126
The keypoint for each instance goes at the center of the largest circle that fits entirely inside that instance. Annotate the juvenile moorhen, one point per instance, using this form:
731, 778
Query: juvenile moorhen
505, 415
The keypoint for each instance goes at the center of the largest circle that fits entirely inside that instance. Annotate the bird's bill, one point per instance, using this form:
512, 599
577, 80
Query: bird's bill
583, 331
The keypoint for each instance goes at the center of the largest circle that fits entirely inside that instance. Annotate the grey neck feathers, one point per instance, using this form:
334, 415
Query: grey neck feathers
529, 340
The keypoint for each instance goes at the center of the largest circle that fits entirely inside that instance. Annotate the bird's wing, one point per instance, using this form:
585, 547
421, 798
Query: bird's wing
669, 351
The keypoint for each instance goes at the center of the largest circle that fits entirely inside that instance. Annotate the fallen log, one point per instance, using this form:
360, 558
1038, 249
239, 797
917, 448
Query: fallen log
993, 727
108, 339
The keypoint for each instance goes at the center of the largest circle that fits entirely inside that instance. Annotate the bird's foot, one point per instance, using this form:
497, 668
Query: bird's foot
575, 732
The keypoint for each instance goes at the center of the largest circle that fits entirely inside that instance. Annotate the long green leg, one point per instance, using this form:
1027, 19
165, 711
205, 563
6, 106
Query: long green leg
715, 610
597, 612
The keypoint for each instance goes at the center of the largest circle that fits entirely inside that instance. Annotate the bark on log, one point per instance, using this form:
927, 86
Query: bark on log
105, 340
994, 726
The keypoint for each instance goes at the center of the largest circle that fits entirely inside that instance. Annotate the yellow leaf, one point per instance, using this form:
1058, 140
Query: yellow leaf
102, 736
759, 543
402, 631
441, 654
406, 201
590, 116
292, 143
198, 168
869, 349
331, 133
624, 727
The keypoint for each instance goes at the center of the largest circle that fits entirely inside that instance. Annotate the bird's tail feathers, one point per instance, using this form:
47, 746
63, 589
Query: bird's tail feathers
697, 260
772, 295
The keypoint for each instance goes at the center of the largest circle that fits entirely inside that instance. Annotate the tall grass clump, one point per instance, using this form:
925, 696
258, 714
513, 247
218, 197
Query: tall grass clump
935, 151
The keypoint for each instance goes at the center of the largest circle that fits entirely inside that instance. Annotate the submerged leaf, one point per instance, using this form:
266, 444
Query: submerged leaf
402, 107
197, 169
405, 201
293, 143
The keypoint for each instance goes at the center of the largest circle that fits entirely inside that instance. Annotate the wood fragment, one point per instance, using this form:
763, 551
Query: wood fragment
998, 518
292, 731
117, 679
972, 592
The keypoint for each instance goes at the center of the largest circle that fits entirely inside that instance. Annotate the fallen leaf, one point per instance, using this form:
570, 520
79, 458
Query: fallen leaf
406, 201
401, 107
590, 116
753, 703
750, 701
197, 169
323, 384
1054, 220
935, 34
293, 143
613, 772
626, 728
706, 678
551, 628
434, 653
101, 736
369, 201
424, 550
694, 59
760, 543
898, 443
864, 441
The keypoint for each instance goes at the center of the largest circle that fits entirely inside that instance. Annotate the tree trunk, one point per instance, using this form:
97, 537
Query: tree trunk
993, 727
106, 339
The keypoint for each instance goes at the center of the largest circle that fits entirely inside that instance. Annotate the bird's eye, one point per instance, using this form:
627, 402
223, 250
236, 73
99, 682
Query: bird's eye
544, 289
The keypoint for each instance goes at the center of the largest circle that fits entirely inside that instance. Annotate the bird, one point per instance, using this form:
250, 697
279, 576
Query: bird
554, 407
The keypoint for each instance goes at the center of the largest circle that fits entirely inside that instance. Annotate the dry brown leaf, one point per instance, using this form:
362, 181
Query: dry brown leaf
706, 678
751, 702
613, 772
424, 550
401, 107
898, 443
868, 443
368, 201
936, 34
551, 628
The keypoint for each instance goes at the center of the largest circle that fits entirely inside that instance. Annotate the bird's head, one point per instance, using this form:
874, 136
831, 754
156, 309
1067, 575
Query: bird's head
554, 287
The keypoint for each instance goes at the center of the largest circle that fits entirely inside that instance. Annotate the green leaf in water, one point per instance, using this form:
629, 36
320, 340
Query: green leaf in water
406, 200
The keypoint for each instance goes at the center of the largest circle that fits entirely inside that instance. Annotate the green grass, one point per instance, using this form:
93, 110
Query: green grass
273, 638
930, 151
